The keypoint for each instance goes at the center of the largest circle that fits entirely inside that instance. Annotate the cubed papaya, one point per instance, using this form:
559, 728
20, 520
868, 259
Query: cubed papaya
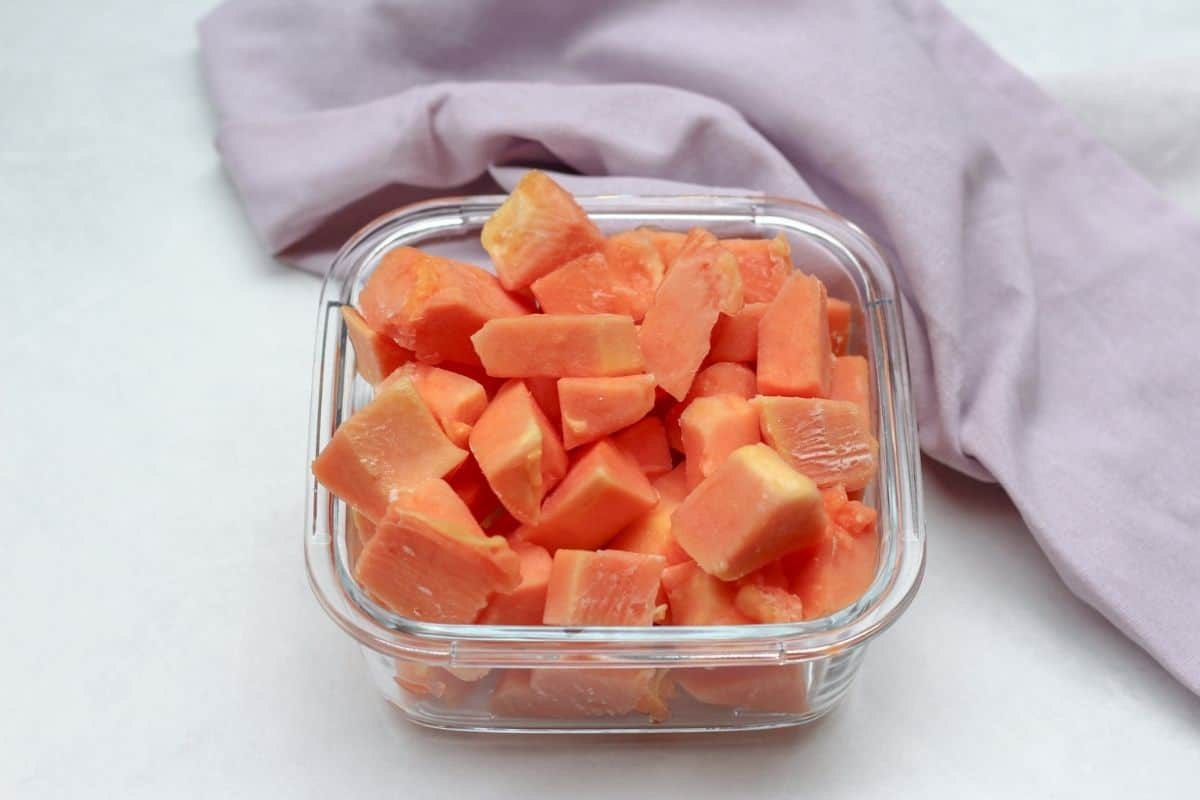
724, 377
536, 230
375, 355
455, 400
769, 604
651, 532
526, 604
735, 337
595, 407
427, 681
834, 573
676, 333
575, 692
646, 443
769, 688
566, 346
518, 451
668, 244
729, 538
830, 441
713, 427
851, 381
605, 587
390, 443
604, 491
621, 279
637, 269
432, 305
430, 560
794, 356
697, 598
764, 263
841, 318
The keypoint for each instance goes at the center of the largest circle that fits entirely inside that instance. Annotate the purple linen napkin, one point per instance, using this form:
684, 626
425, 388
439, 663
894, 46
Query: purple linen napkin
1051, 294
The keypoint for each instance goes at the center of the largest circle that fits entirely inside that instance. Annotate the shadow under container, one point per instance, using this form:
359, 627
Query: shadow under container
625, 679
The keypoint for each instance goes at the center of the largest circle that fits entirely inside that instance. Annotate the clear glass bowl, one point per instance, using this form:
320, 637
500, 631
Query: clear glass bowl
476, 677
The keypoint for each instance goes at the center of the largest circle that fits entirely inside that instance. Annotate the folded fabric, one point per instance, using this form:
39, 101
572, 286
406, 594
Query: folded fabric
1050, 292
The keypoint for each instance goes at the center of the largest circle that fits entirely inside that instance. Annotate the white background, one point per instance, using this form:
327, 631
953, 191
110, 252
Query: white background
159, 639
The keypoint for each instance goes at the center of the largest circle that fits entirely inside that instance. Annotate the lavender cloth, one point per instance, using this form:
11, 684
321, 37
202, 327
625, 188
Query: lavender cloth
1051, 294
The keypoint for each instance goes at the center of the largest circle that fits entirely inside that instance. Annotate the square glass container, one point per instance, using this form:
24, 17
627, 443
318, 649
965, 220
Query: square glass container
606, 679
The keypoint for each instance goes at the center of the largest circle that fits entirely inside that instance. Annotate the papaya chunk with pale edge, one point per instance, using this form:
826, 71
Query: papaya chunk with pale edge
769, 604
594, 407
794, 356
602, 493
574, 693
455, 400
567, 346
637, 268
697, 598
375, 355
651, 532
646, 443
851, 382
830, 441
432, 305
713, 427
526, 604
605, 587
764, 264
622, 279
724, 378
429, 559
769, 688
730, 537
518, 451
841, 317
675, 335
392, 442
536, 230
735, 337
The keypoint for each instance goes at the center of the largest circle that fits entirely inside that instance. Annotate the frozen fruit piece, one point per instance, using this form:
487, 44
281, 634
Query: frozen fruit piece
568, 346
668, 244
840, 319
830, 441
536, 230
851, 382
702, 283
769, 604
470, 484
424, 680
601, 692
606, 587
646, 443
651, 532
835, 572
430, 560
724, 378
753, 509
595, 407
518, 451
773, 574
603, 492
794, 355
779, 689
764, 263
455, 400
526, 604
697, 598
637, 269
621, 279
735, 338
390, 443
545, 392
433, 305
712, 428
375, 355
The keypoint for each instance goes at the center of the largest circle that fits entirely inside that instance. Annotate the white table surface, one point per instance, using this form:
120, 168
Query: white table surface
160, 638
